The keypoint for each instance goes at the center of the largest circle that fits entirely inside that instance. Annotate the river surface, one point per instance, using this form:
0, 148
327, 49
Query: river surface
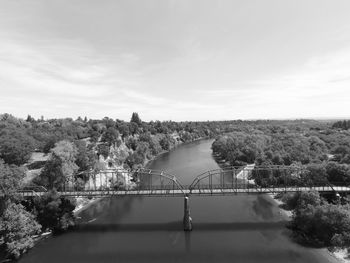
243, 228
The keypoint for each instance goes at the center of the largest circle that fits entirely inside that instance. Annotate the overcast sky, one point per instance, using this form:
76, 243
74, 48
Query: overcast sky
178, 60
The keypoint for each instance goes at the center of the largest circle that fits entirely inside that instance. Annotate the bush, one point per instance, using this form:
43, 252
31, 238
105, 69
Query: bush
323, 225
54, 212
11, 177
103, 150
16, 147
17, 226
290, 200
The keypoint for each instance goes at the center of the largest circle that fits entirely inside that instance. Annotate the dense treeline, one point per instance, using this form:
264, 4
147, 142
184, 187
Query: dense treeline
323, 152
345, 124
317, 222
18, 138
280, 145
320, 148
72, 147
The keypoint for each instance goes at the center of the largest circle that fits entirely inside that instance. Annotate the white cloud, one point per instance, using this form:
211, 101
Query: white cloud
177, 63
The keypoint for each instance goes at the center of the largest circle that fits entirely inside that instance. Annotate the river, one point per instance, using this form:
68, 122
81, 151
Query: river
243, 228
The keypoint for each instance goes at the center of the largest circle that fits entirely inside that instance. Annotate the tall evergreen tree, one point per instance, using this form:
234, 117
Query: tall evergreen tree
135, 118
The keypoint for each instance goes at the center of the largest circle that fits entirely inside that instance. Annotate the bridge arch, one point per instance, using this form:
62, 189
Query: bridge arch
249, 176
229, 180
155, 179
217, 178
136, 180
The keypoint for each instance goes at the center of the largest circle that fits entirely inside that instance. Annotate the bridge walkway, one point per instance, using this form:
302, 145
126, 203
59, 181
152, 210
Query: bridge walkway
186, 192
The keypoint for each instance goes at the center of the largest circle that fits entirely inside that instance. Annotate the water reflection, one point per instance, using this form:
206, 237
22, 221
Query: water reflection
242, 228
177, 226
264, 208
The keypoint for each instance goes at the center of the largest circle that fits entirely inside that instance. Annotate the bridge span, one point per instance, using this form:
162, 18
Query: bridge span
250, 179
187, 192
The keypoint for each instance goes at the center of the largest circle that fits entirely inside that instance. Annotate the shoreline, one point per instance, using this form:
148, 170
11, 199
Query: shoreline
86, 203
286, 214
342, 255
338, 256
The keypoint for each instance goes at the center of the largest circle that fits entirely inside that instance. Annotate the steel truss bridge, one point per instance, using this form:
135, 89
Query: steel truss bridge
227, 181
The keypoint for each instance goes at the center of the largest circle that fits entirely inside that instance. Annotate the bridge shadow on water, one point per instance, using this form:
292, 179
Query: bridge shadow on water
177, 226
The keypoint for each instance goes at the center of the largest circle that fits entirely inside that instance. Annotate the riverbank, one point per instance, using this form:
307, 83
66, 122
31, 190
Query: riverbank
85, 203
342, 255
339, 255
136, 229
286, 214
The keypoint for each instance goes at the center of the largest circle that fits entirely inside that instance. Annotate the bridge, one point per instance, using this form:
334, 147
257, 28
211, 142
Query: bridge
250, 179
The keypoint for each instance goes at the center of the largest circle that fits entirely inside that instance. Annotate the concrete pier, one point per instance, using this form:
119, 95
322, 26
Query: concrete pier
187, 218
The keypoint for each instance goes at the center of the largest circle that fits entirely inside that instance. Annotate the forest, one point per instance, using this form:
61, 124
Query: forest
51, 152
322, 152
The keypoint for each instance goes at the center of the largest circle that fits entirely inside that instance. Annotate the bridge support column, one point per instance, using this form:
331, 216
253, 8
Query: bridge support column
187, 218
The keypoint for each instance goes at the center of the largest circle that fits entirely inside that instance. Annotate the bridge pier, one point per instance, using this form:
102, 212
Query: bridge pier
187, 222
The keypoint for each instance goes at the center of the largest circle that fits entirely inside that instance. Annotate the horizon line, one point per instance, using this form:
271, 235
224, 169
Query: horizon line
329, 118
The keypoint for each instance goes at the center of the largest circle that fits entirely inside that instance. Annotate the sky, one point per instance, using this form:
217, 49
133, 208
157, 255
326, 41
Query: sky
175, 59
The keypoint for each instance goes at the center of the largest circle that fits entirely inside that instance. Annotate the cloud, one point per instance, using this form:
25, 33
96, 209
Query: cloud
173, 61
61, 78
319, 88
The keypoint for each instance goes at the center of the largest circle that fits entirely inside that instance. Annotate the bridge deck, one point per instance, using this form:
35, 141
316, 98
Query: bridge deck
197, 192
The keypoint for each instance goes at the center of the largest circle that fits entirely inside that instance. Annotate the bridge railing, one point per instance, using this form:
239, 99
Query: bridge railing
126, 180
249, 179
260, 178
33, 189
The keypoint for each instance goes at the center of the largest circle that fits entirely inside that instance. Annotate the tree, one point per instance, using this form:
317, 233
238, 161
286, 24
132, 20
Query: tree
103, 149
305, 199
341, 153
137, 159
17, 226
123, 129
338, 173
136, 119
86, 158
323, 225
66, 152
50, 143
315, 174
52, 175
167, 142
134, 128
54, 212
30, 119
342, 124
16, 147
154, 146
131, 143
291, 200
59, 170
110, 136
11, 177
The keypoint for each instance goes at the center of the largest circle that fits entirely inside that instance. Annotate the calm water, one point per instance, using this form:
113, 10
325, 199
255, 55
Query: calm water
144, 229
